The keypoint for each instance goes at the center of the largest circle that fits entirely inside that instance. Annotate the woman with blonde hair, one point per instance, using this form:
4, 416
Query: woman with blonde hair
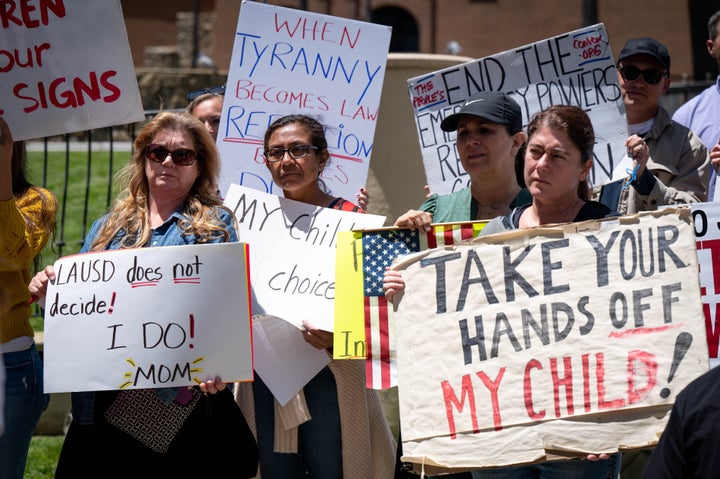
170, 199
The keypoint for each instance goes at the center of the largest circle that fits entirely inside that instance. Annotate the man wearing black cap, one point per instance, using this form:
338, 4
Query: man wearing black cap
670, 163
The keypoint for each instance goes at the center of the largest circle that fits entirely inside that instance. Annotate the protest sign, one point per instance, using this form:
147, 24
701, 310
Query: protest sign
571, 339
292, 250
364, 326
65, 67
575, 68
706, 218
148, 318
290, 61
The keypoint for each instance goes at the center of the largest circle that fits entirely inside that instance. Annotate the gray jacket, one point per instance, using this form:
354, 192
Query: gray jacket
677, 171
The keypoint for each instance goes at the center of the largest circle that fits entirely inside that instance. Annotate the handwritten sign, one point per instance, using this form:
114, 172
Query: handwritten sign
571, 339
148, 318
289, 61
575, 68
64, 67
706, 218
292, 246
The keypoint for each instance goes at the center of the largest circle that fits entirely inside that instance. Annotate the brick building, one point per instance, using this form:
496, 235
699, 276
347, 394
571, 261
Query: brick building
472, 28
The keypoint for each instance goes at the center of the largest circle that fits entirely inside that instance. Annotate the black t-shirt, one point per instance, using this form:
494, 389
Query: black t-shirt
591, 210
690, 445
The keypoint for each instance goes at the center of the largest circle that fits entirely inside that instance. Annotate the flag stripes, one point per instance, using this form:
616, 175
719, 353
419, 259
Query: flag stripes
380, 248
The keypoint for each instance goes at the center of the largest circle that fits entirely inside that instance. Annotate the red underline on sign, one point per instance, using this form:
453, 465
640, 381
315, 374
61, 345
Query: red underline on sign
345, 157
186, 280
636, 331
140, 284
247, 141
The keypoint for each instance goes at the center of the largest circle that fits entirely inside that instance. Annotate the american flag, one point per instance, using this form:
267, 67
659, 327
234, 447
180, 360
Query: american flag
380, 248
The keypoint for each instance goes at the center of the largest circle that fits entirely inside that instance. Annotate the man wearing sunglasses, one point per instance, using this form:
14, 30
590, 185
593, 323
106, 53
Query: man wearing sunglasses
670, 164
700, 113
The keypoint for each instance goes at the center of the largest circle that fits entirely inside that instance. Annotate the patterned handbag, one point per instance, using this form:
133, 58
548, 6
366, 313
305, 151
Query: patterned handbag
142, 414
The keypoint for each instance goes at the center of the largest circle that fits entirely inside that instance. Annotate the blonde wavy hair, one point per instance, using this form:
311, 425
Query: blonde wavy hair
130, 215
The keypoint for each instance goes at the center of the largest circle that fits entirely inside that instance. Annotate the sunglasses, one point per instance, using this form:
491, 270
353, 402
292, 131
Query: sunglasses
296, 152
216, 90
181, 156
651, 77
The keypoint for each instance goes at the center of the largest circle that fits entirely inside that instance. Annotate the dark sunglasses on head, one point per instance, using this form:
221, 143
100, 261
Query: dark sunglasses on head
181, 156
216, 90
651, 76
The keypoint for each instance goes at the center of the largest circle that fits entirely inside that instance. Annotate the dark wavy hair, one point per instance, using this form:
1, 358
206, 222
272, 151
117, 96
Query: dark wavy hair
316, 129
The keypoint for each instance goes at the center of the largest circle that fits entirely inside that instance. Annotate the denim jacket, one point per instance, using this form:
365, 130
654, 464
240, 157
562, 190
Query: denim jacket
168, 234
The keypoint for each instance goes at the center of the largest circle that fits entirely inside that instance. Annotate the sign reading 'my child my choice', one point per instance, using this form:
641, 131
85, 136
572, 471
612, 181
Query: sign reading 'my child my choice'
65, 66
148, 318
289, 61
292, 250
576, 68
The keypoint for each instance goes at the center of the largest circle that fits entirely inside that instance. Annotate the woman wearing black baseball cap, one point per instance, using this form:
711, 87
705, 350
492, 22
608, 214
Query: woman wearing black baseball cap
489, 134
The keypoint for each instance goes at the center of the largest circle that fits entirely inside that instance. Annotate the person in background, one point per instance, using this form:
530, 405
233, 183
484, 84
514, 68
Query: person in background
557, 159
342, 431
206, 105
27, 216
700, 112
670, 164
169, 199
689, 447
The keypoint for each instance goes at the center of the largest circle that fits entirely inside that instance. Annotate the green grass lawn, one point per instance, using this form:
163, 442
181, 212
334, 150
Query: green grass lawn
43, 456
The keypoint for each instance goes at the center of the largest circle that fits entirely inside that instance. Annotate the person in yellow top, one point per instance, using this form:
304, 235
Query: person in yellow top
27, 216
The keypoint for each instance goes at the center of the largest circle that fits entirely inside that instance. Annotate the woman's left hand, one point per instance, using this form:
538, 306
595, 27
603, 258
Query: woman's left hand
318, 338
212, 386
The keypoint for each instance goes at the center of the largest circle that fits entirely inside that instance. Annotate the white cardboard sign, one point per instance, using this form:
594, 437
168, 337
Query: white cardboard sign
289, 61
292, 249
524, 344
573, 68
148, 318
65, 66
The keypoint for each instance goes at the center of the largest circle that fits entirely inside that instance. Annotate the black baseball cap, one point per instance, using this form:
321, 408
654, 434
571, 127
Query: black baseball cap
646, 46
493, 106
